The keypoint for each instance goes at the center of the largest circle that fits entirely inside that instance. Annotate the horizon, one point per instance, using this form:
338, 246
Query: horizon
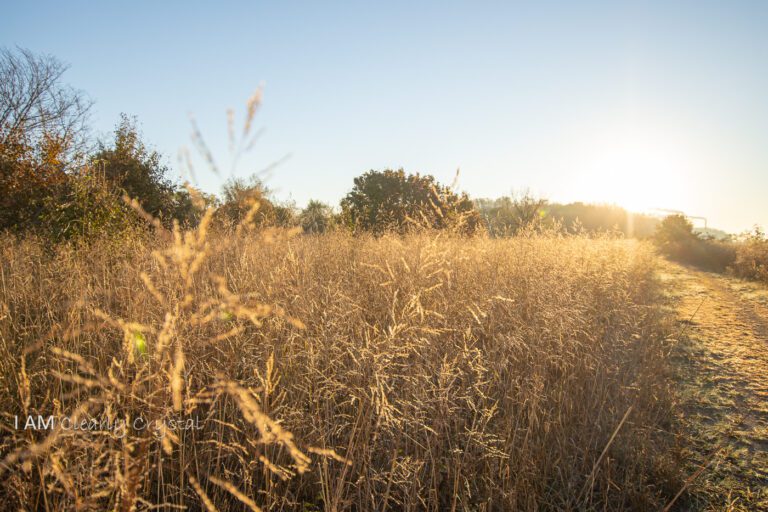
639, 106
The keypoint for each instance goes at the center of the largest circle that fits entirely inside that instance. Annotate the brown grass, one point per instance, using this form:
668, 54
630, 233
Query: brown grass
752, 257
334, 372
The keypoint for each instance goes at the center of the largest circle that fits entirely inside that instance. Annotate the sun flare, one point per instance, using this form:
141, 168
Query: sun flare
636, 172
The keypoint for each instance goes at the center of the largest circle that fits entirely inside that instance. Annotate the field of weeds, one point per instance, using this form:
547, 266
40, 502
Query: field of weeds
261, 371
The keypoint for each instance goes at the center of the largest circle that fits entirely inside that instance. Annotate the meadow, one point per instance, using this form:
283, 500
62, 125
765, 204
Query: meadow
258, 369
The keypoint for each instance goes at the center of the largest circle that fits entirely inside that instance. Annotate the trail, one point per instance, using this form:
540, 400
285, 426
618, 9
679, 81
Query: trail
722, 369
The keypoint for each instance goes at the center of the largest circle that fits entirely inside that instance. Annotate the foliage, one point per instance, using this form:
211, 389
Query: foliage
673, 230
603, 218
249, 199
507, 216
393, 201
41, 134
285, 214
752, 256
48, 184
36, 110
676, 239
29, 176
317, 217
87, 207
138, 172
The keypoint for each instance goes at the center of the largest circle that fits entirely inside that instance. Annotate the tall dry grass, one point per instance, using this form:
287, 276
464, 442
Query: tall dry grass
335, 373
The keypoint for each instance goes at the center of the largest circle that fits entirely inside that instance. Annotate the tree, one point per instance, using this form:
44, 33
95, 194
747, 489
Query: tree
190, 205
285, 214
29, 176
392, 200
508, 215
136, 170
317, 217
674, 230
239, 199
35, 108
42, 132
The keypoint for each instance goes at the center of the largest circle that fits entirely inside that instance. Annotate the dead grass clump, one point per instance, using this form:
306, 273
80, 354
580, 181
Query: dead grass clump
263, 371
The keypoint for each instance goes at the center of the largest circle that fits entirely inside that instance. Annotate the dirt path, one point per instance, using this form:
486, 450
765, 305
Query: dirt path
722, 365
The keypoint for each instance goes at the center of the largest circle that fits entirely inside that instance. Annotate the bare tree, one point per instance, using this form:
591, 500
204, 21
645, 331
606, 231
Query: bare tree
35, 104
527, 208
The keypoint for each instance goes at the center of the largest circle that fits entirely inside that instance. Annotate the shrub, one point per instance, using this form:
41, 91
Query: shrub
752, 257
248, 202
317, 217
676, 239
87, 207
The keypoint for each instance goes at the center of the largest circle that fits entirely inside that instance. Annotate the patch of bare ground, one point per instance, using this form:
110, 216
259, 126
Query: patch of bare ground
722, 369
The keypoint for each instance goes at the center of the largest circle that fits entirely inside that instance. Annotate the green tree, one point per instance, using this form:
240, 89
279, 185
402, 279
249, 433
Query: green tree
317, 217
136, 170
87, 207
285, 214
190, 204
394, 200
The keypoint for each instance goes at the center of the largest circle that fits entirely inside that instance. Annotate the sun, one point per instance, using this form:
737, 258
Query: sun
635, 171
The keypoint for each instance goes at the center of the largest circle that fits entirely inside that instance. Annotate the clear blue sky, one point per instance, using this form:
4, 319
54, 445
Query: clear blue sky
647, 104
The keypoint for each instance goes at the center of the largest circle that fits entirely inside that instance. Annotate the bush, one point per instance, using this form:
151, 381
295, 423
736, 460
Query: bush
247, 201
87, 207
317, 217
676, 240
752, 257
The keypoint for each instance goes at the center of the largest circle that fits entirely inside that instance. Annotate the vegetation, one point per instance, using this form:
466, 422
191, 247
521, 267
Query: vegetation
602, 218
395, 201
42, 132
752, 257
52, 182
746, 257
335, 372
215, 359
677, 240
317, 217
507, 215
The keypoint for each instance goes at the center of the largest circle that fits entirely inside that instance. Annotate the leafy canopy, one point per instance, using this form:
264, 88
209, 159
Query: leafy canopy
393, 200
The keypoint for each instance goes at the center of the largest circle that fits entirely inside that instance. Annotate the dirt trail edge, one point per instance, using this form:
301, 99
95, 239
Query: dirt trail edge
722, 367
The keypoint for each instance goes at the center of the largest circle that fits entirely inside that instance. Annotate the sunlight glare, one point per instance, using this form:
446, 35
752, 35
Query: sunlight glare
634, 171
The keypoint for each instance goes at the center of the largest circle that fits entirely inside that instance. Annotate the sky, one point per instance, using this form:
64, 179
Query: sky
643, 104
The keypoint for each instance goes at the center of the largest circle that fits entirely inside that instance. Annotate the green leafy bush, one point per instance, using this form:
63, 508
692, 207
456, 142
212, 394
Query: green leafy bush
395, 201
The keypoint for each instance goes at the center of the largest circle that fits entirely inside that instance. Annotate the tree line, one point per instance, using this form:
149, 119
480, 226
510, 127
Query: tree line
55, 181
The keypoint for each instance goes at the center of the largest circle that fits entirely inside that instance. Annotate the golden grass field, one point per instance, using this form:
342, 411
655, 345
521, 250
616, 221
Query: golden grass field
335, 372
